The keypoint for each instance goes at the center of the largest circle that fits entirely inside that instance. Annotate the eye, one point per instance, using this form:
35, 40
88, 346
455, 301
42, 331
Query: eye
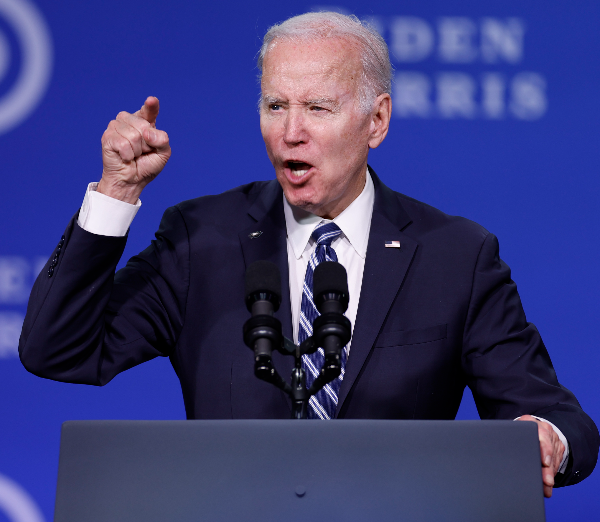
274, 106
316, 108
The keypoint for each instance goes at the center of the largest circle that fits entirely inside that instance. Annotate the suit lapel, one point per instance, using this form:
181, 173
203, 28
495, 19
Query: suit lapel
271, 245
384, 273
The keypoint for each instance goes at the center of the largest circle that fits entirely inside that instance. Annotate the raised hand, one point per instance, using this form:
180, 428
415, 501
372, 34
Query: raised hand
134, 152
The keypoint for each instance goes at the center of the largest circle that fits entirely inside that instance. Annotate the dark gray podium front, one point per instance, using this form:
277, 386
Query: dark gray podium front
343, 470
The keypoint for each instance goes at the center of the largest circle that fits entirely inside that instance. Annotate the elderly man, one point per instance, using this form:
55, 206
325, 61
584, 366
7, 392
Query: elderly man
434, 312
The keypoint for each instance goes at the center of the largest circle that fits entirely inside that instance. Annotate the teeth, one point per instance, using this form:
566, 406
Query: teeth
298, 168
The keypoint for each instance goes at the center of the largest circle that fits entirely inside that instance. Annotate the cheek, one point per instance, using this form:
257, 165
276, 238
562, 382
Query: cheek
268, 128
343, 149
350, 137
264, 130
269, 139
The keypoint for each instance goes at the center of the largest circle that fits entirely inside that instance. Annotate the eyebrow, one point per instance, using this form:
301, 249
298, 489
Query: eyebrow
318, 101
321, 101
270, 99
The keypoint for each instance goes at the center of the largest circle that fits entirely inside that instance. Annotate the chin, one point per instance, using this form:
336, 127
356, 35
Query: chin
309, 206
298, 199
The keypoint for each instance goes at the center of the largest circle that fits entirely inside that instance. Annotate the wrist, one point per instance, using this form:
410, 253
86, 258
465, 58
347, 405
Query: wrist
126, 192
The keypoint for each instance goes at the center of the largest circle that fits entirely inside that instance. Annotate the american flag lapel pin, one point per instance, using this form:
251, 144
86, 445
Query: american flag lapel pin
392, 244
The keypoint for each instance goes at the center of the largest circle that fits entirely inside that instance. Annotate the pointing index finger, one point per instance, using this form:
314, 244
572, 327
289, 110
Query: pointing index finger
149, 110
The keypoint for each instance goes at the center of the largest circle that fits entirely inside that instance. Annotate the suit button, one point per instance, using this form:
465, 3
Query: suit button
55, 260
51, 271
577, 473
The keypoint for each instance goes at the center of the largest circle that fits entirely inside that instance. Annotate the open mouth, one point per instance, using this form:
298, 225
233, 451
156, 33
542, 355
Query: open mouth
298, 168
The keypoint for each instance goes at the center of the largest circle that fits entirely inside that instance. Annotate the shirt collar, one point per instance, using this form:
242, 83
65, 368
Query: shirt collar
354, 222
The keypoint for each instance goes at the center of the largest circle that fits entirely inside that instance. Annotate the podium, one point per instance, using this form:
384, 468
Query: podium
288, 470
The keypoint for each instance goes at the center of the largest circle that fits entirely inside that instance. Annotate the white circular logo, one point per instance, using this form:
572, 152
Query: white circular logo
35, 45
16, 503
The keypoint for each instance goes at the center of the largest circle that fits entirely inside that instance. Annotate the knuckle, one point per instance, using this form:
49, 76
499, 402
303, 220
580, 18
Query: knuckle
122, 144
131, 134
109, 137
163, 139
139, 126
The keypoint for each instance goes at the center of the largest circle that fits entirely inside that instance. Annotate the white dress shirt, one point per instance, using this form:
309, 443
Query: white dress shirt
106, 216
350, 247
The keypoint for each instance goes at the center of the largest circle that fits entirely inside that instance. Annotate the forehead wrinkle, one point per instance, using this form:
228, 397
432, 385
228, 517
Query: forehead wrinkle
319, 60
306, 73
335, 69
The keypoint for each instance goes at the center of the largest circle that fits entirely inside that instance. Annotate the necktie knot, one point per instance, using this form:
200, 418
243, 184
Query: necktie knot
325, 234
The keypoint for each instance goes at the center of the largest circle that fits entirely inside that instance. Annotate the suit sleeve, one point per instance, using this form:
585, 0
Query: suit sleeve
84, 324
508, 367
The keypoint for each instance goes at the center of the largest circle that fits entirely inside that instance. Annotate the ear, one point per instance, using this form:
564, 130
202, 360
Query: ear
380, 119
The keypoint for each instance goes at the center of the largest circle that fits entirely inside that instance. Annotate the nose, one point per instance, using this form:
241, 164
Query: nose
295, 131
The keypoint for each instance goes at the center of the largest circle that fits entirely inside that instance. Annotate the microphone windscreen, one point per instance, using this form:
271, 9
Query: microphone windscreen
263, 276
330, 277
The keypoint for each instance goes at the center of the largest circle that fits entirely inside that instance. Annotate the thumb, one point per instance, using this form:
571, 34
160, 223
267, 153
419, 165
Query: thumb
157, 139
149, 110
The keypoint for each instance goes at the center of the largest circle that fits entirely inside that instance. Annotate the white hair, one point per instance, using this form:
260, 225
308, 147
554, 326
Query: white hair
377, 70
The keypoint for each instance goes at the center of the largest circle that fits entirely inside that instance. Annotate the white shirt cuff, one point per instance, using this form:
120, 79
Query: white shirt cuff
105, 216
563, 439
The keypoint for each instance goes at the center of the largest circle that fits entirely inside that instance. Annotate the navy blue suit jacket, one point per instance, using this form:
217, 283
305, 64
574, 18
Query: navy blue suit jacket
436, 315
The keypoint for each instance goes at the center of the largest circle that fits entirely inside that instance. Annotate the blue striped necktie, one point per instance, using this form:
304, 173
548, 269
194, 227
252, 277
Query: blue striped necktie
323, 404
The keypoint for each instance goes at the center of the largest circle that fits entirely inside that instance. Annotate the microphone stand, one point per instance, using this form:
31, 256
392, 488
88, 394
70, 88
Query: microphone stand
331, 331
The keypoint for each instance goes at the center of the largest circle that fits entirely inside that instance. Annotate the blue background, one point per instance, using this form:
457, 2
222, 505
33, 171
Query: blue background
534, 183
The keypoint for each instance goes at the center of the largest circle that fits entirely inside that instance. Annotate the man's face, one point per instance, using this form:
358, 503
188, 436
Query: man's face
316, 136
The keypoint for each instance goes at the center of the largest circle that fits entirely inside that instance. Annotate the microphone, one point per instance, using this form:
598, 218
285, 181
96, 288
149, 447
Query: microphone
330, 288
263, 288
331, 330
262, 332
